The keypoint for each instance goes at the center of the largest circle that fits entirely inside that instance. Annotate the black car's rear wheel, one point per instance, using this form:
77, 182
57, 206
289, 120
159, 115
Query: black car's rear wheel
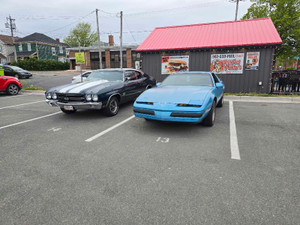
112, 107
68, 111
12, 89
210, 118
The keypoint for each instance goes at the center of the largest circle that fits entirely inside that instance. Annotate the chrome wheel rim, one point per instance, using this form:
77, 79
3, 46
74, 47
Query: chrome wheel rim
13, 89
113, 106
16, 76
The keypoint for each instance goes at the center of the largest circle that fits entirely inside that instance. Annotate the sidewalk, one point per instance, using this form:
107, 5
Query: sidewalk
262, 99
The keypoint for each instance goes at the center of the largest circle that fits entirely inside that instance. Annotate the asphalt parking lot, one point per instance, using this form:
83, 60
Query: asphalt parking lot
86, 168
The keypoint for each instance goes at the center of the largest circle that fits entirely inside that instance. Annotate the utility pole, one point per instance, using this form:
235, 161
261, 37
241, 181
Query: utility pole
11, 24
121, 39
236, 9
99, 43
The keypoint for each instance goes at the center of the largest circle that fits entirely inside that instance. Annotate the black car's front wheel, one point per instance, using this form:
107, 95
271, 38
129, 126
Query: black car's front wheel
16, 76
112, 107
68, 111
12, 89
210, 118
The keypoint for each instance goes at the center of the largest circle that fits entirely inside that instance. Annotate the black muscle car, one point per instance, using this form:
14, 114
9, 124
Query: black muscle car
103, 89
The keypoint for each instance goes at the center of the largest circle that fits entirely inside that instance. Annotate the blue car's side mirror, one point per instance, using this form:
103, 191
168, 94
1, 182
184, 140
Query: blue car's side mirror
158, 84
219, 85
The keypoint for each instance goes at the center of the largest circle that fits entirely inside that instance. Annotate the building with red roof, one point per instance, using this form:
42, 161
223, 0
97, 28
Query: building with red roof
240, 52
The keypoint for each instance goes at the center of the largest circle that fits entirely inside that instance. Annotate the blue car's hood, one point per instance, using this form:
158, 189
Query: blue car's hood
176, 94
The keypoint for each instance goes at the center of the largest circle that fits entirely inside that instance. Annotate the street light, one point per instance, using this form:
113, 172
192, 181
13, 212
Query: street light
237, 7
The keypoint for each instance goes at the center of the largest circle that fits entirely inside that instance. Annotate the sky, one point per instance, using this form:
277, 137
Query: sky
56, 18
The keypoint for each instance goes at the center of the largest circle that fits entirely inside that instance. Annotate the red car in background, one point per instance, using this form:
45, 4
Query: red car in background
10, 85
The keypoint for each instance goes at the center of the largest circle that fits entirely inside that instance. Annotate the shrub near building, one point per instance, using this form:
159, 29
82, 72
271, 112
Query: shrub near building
34, 64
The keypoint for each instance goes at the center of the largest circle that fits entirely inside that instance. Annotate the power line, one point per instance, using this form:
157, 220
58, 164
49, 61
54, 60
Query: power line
71, 23
129, 30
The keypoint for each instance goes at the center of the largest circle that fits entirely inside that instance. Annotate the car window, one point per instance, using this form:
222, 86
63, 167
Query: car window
105, 75
215, 78
188, 79
139, 75
130, 75
86, 74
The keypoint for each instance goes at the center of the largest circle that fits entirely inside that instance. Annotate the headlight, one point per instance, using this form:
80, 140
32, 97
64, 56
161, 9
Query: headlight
48, 96
95, 98
88, 97
54, 96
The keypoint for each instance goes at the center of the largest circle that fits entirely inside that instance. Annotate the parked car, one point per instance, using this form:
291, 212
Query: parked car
10, 85
182, 97
77, 79
103, 89
16, 72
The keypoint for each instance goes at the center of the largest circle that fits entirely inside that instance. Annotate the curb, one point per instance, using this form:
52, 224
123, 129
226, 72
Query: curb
263, 99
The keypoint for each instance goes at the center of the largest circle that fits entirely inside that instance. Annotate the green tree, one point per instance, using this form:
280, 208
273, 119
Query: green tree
81, 34
285, 15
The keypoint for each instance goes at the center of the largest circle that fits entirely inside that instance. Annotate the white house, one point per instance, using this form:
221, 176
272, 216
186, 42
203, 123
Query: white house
6, 48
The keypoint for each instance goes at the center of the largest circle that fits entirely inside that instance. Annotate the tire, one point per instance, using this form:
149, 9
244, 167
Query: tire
210, 118
68, 111
112, 107
12, 89
16, 76
221, 102
148, 120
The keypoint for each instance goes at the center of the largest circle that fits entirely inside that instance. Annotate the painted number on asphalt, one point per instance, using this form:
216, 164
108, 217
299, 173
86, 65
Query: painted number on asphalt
162, 140
54, 129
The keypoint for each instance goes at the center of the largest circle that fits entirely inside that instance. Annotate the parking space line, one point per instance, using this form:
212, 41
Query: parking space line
109, 129
29, 103
26, 121
234, 146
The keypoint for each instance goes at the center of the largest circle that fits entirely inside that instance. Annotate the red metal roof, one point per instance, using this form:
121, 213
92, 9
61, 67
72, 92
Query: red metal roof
213, 35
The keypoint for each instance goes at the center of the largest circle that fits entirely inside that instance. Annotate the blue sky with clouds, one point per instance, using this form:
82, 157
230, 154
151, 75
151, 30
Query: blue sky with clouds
56, 18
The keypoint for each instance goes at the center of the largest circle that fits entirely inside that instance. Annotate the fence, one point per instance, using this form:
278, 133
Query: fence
285, 82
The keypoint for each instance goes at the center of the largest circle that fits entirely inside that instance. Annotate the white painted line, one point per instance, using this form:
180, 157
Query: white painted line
234, 146
12, 106
109, 129
26, 121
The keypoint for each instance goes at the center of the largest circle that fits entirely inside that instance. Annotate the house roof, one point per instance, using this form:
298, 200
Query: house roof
40, 38
7, 39
2, 56
23, 54
213, 35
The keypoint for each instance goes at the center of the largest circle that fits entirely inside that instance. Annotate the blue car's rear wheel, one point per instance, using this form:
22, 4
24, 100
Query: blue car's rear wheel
221, 102
210, 118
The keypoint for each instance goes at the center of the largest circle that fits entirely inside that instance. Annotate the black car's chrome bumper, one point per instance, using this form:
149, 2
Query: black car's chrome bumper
76, 105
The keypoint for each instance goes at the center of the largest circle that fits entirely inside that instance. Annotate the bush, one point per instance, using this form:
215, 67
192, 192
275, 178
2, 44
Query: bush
41, 65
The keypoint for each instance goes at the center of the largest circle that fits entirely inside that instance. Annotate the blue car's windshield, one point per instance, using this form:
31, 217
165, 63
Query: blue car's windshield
188, 79
105, 75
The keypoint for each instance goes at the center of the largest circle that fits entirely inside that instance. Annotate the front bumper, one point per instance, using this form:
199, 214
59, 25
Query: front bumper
175, 116
76, 105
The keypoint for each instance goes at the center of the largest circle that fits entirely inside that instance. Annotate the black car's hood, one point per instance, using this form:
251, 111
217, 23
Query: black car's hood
87, 87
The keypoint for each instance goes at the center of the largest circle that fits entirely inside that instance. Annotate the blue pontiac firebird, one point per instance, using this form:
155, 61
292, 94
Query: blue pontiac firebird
182, 97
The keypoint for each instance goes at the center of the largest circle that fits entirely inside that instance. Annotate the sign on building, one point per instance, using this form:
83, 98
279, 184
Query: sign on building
252, 61
79, 56
173, 64
231, 63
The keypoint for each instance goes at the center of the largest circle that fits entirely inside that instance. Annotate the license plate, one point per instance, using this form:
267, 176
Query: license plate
68, 107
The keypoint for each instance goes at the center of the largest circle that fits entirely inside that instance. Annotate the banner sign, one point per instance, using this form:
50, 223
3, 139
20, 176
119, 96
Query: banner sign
252, 61
80, 58
231, 63
173, 64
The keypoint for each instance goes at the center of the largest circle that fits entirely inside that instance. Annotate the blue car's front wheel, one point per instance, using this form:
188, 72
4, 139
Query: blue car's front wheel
210, 118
